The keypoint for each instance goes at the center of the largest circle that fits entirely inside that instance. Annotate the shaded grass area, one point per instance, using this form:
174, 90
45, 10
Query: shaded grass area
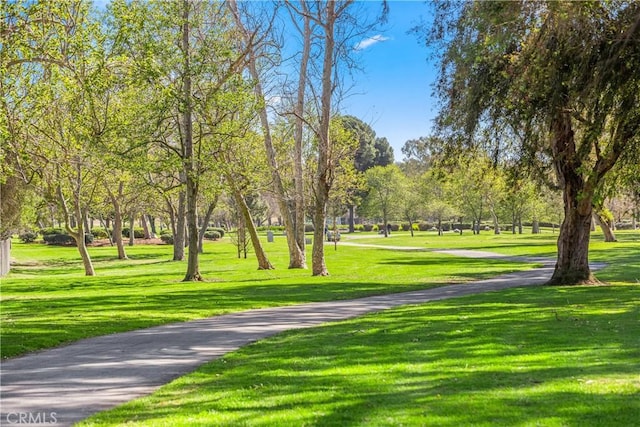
47, 300
526, 357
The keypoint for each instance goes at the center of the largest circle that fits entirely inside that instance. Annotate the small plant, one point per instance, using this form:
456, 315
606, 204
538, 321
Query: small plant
167, 238
28, 236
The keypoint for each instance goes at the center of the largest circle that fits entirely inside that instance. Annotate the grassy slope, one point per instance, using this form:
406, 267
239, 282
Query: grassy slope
47, 300
525, 357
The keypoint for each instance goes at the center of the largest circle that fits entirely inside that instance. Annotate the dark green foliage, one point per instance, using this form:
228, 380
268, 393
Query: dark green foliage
308, 228
212, 235
138, 233
166, 238
58, 239
367, 227
28, 236
99, 233
219, 230
51, 230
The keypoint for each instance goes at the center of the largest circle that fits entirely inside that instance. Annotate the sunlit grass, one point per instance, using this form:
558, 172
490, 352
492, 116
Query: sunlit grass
47, 300
526, 357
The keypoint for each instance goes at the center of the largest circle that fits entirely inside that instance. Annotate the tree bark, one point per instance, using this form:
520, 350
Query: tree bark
323, 172
297, 258
205, 223
572, 266
78, 235
190, 170
178, 235
263, 261
145, 226
117, 220
132, 223
607, 230
535, 228
352, 222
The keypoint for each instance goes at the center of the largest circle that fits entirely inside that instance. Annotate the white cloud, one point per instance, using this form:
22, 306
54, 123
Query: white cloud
370, 42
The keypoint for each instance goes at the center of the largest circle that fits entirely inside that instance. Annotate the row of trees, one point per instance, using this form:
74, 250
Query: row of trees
195, 98
188, 98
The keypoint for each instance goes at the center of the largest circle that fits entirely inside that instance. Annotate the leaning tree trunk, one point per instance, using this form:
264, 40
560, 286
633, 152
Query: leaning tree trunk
293, 223
572, 266
263, 261
607, 230
78, 235
205, 224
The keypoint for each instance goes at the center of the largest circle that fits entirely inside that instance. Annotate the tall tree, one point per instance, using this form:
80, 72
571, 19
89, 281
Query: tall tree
383, 196
550, 81
255, 42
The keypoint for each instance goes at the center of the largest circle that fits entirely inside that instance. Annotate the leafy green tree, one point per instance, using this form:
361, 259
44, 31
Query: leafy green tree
554, 84
384, 191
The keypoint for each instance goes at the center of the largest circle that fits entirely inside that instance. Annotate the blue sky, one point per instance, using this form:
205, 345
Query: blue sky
393, 92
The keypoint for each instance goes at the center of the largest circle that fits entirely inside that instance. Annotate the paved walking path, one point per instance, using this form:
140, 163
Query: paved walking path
67, 384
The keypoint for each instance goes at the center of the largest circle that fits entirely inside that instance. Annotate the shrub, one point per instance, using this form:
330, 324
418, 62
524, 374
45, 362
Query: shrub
424, 226
395, 227
165, 231
367, 227
28, 236
212, 235
58, 239
167, 238
51, 230
99, 233
63, 239
219, 230
358, 227
308, 228
138, 232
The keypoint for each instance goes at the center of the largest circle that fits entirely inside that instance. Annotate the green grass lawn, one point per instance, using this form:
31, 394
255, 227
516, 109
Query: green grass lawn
47, 300
533, 356
522, 357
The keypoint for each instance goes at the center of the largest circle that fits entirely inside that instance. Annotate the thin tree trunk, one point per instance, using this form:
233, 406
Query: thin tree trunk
535, 228
117, 220
607, 230
145, 226
205, 223
132, 223
297, 258
322, 178
352, 223
179, 235
78, 235
263, 261
496, 223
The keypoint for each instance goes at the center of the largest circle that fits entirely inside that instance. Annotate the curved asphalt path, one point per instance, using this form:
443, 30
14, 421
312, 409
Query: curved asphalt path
64, 385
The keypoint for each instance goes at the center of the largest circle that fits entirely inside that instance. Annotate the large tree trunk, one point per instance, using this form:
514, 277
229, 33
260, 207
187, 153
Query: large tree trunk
297, 258
572, 266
